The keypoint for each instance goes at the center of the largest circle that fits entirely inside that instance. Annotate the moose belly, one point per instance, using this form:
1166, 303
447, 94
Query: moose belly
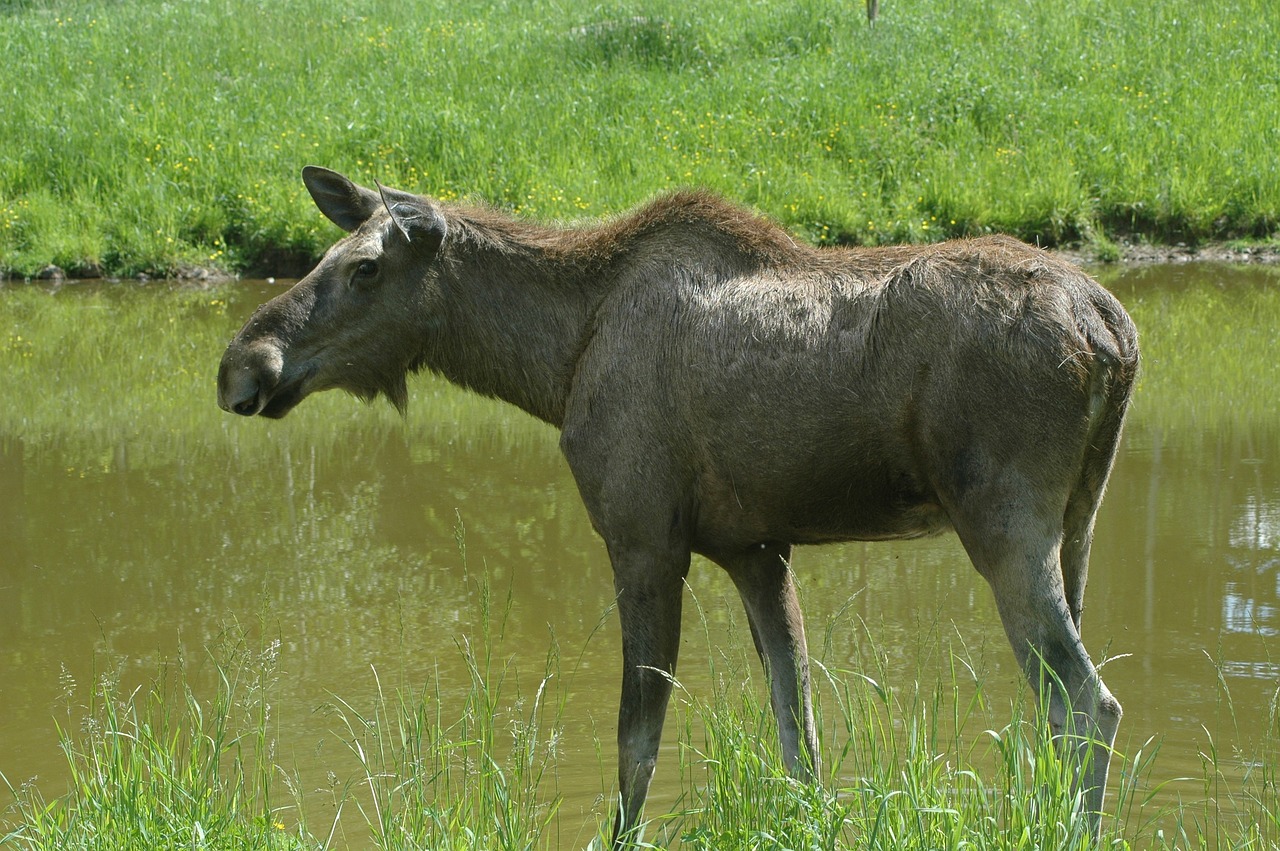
821, 507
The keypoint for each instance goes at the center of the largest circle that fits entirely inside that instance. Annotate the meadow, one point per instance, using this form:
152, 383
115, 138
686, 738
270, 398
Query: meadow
167, 138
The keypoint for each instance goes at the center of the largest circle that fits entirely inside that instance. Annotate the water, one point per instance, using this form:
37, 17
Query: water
138, 524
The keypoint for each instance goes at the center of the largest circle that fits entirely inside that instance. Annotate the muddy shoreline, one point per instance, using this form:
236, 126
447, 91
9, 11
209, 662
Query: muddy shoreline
1146, 253
1137, 253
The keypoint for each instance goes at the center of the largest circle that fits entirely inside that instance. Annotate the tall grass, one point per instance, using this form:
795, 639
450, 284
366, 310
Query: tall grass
150, 137
929, 762
160, 767
932, 762
459, 781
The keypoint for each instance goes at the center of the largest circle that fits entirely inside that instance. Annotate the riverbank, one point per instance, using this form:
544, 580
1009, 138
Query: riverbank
1124, 254
1137, 253
150, 141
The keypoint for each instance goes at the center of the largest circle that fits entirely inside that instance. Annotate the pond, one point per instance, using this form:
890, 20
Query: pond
140, 525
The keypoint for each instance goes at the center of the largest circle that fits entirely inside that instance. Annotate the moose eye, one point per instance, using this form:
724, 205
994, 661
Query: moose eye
366, 271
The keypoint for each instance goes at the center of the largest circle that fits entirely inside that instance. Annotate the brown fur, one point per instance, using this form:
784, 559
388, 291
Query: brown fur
723, 389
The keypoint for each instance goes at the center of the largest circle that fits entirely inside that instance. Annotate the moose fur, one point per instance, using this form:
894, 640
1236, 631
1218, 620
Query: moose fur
726, 390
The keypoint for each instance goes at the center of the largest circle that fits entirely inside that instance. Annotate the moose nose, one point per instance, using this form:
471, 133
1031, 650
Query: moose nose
246, 376
246, 407
238, 392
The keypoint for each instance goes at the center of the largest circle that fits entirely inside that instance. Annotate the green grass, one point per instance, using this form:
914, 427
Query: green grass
152, 137
160, 767
426, 779
918, 764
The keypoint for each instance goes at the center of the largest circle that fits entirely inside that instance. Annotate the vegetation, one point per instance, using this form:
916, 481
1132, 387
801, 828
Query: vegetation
143, 137
163, 767
911, 765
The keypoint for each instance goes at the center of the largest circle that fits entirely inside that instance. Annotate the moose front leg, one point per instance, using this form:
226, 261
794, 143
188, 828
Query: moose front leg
649, 592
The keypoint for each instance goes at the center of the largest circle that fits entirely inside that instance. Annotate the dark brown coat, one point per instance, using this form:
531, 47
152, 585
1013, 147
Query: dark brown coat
723, 389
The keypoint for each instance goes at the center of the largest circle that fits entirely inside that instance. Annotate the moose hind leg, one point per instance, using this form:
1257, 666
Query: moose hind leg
1074, 554
1019, 558
764, 580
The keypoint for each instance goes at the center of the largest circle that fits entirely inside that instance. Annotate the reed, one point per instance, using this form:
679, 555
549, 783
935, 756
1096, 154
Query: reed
477, 778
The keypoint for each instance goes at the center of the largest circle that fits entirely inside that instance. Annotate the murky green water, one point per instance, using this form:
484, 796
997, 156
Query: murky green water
137, 522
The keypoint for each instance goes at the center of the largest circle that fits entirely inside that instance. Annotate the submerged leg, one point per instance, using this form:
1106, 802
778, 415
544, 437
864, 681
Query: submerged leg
763, 577
1019, 556
650, 588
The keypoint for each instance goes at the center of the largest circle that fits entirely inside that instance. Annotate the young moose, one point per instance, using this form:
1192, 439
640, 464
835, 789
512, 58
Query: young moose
724, 390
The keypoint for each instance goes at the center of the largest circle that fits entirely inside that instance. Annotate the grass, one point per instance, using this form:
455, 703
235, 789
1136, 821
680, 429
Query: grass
920, 764
428, 780
154, 138
160, 767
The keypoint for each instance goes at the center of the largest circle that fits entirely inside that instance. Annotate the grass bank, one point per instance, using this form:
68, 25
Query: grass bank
151, 138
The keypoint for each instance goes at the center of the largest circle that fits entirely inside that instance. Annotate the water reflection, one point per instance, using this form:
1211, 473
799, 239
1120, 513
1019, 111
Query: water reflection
357, 539
1249, 601
1258, 526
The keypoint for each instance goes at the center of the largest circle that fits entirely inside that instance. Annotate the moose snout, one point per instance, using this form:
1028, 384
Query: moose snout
239, 394
246, 378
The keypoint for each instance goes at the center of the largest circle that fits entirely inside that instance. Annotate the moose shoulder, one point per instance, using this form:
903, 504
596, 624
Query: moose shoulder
724, 390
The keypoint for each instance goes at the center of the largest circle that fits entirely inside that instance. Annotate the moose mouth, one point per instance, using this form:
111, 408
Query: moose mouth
272, 403
284, 400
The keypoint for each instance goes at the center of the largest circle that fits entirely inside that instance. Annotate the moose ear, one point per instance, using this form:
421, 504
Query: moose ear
416, 219
344, 203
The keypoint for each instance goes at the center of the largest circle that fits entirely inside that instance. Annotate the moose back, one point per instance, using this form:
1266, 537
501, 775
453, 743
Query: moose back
724, 390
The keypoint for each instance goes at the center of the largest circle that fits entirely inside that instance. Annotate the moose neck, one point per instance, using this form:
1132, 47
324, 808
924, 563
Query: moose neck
518, 301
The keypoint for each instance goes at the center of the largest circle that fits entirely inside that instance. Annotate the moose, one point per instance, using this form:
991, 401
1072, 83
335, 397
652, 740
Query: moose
723, 389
